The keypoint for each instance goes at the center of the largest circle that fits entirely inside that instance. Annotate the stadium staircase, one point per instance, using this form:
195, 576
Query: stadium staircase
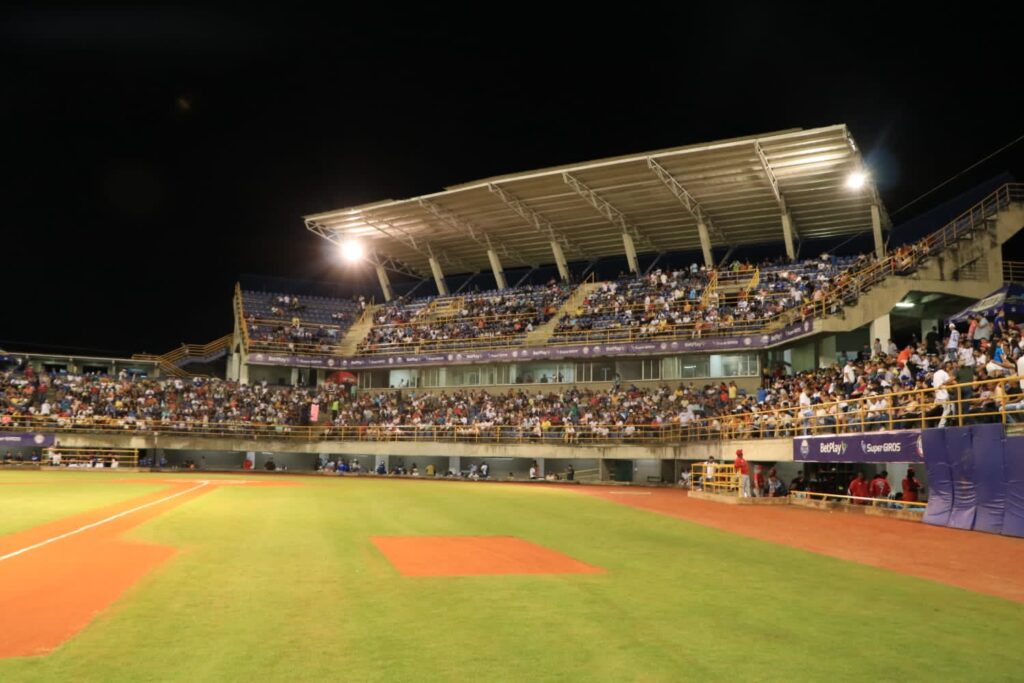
442, 308
966, 261
542, 333
173, 362
357, 332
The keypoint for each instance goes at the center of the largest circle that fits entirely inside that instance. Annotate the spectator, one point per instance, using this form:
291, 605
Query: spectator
911, 486
858, 488
744, 471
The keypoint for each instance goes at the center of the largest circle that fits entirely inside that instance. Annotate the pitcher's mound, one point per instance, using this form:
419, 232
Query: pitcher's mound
475, 555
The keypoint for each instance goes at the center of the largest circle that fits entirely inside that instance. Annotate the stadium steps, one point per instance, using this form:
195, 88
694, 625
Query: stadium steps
969, 268
442, 308
357, 332
172, 363
542, 333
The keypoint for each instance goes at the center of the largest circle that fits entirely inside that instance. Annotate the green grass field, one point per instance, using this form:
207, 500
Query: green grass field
283, 584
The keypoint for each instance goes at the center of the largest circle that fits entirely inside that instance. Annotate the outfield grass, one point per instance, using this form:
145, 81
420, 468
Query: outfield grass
51, 496
284, 584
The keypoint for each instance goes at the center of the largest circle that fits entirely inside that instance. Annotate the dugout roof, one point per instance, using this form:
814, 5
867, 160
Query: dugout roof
738, 187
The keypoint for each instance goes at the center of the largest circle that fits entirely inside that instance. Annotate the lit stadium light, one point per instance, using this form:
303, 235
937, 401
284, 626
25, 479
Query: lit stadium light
856, 180
352, 250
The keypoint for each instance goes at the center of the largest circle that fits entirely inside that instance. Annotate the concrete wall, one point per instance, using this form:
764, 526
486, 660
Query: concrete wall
763, 449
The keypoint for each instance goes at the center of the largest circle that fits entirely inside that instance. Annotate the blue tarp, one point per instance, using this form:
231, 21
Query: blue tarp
1010, 297
960, 456
989, 478
1013, 464
940, 479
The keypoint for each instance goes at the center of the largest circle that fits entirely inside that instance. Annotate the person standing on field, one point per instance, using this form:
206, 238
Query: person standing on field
743, 469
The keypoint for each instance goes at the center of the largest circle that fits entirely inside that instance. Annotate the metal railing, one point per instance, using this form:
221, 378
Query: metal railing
714, 478
169, 362
891, 503
1013, 271
968, 403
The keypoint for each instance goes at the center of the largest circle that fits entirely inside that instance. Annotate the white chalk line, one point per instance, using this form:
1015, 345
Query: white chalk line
93, 525
629, 493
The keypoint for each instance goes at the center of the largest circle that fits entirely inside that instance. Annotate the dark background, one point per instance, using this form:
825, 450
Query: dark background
153, 155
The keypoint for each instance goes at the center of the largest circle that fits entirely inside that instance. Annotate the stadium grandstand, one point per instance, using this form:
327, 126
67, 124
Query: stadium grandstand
732, 321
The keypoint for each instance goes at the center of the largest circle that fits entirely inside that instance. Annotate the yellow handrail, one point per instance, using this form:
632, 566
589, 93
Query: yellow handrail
884, 502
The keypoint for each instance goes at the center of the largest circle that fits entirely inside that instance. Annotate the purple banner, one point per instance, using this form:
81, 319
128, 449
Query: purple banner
650, 348
26, 440
902, 446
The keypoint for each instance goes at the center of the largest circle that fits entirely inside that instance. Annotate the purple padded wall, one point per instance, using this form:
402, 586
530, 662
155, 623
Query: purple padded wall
1013, 466
989, 478
960, 456
940, 480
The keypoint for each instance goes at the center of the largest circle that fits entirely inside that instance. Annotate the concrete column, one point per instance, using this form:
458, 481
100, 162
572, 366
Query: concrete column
378, 459
705, 244
243, 372
295, 377
435, 268
627, 242
454, 464
232, 371
880, 328
827, 351
876, 230
385, 283
499, 272
540, 467
787, 235
563, 267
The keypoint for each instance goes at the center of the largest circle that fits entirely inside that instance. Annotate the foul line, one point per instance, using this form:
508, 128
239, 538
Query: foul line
102, 521
610, 493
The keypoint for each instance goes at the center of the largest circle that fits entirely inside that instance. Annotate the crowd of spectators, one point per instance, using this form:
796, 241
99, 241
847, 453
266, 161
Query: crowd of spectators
686, 302
881, 388
463, 321
284, 322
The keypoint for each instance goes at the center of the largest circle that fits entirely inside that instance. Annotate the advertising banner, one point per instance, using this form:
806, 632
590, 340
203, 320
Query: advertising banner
902, 446
21, 440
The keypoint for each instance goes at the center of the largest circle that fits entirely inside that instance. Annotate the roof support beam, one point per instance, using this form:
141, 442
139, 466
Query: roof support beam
385, 282
499, 272
687, 200
614, 216
435, 268
627, 242
407, 239
563, 267
876, 230
787, 235
789, 231
467, 229
392, 264
705, 244
541, 224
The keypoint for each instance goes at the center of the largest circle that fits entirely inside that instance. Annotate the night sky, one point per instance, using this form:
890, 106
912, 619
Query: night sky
154, 155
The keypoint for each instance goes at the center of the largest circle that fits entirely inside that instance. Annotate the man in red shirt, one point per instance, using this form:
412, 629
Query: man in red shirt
759, 482
743, 469
879, 487
911, 486
858, 489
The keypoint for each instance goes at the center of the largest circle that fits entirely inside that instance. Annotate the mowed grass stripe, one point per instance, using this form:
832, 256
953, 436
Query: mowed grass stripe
283, 584
27, 501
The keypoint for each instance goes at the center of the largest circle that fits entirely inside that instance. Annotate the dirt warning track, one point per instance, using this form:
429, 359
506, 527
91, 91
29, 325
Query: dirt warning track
976, 561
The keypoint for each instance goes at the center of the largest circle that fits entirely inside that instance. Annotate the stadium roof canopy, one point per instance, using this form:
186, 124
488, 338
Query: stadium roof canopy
738, 188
